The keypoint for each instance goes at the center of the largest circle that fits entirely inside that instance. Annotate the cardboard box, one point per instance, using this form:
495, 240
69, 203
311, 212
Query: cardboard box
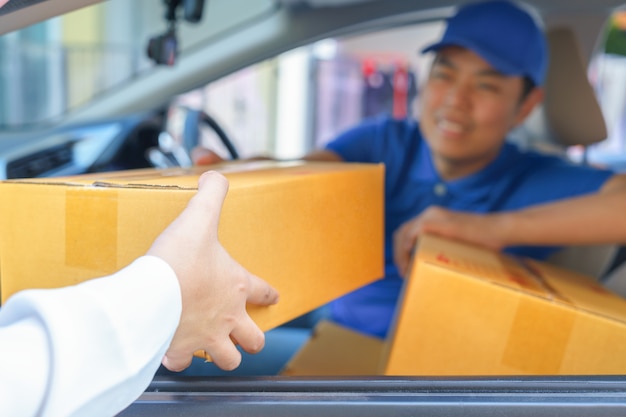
312, 230
338, 351
469, 311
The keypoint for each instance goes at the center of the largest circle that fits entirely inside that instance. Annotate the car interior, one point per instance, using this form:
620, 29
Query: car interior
571, 116
181, 81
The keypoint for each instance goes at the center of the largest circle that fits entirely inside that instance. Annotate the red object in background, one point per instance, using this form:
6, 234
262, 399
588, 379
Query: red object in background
368, 67
400, 91
389, 88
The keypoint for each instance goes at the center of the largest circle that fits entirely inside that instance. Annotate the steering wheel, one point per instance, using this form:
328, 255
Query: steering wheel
191, 131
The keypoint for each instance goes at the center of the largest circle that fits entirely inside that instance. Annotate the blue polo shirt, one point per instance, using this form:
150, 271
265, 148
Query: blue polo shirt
515, 179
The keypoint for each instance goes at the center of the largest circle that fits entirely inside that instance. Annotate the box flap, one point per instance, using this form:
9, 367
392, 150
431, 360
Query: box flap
581, 291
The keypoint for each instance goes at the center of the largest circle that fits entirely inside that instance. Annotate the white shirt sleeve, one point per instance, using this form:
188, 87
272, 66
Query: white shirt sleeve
89, 349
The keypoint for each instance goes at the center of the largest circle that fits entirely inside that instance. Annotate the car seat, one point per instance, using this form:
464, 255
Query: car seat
569, 116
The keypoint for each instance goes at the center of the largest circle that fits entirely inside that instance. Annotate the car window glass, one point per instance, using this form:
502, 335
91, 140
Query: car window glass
57, 65
607, 73
301, 99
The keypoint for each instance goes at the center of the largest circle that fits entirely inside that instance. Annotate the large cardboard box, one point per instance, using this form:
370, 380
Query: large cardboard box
312, 230
470, 311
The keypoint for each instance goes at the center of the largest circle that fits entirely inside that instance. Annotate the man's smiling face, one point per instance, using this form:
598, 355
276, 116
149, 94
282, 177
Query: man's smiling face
467, 109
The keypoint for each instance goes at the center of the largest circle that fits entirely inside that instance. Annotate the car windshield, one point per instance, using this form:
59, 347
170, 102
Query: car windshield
56, 66
275, 98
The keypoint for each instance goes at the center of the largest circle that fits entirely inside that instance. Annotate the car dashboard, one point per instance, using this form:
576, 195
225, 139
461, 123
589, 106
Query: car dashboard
105, 145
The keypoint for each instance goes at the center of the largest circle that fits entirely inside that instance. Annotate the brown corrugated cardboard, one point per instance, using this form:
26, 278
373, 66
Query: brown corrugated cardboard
336, 350
470, 311
312, 230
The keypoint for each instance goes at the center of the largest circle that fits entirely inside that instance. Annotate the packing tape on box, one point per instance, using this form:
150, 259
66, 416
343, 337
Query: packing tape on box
534, 322
91, 226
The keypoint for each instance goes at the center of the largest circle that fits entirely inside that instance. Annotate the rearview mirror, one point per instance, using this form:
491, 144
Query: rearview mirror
163, 49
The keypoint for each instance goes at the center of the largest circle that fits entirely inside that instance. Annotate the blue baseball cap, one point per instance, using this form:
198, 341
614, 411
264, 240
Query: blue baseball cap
503, 34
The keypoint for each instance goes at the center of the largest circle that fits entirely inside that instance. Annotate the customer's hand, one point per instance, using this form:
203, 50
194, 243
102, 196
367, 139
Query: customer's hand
214, 287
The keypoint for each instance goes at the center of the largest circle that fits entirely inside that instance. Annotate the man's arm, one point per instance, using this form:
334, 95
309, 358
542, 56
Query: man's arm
598, 218
323, 155
204, 156
88, 349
